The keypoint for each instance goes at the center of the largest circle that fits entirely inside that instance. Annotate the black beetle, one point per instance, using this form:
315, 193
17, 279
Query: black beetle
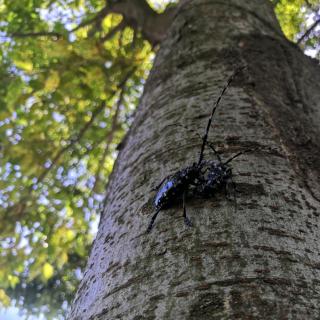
203, 178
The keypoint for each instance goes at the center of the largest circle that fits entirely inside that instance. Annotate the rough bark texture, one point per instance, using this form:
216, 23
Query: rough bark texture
260, 262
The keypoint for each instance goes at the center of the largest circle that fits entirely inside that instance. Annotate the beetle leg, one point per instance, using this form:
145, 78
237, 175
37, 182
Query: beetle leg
152, 220
214, 150
186, 219
239, 154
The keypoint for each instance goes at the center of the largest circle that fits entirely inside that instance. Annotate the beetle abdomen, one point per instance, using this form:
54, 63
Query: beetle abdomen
170, 192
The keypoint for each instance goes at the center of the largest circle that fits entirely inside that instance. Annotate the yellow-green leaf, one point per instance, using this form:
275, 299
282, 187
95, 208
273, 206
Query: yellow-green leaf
4, 299
24, 65
52, 82
47, 270
13, 280
62, 260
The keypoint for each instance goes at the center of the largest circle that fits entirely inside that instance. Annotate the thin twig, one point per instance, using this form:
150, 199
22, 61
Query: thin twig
99, 16
21, 205
35, 34
307, 33
113, 31
72, 142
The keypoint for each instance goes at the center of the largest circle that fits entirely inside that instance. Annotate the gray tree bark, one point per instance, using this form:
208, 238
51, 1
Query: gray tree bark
259, 262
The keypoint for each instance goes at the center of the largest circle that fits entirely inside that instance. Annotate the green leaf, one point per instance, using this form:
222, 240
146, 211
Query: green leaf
47, 271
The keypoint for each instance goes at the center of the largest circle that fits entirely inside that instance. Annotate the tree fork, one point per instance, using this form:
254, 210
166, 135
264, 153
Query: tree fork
137, 14
140, 16
261, 262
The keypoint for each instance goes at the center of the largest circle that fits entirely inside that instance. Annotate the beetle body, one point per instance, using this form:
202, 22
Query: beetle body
217, 176
174, 187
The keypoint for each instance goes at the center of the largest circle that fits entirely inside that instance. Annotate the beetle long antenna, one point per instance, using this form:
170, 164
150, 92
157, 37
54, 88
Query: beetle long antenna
201, 138
238, 154
205, 138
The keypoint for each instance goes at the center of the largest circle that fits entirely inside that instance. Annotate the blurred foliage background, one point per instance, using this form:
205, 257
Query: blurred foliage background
70, 79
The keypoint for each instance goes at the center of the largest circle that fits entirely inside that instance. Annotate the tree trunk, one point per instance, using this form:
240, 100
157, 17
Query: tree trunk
261, 261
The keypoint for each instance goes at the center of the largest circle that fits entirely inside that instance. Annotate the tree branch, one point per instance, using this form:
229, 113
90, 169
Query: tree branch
21, 205
99, 17
136, 13
84, 129
307, 33
113, 31
140, 16
72, 141
36, 34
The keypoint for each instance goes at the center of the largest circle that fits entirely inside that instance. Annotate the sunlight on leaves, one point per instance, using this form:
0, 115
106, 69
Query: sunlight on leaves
47, 271
4, 299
